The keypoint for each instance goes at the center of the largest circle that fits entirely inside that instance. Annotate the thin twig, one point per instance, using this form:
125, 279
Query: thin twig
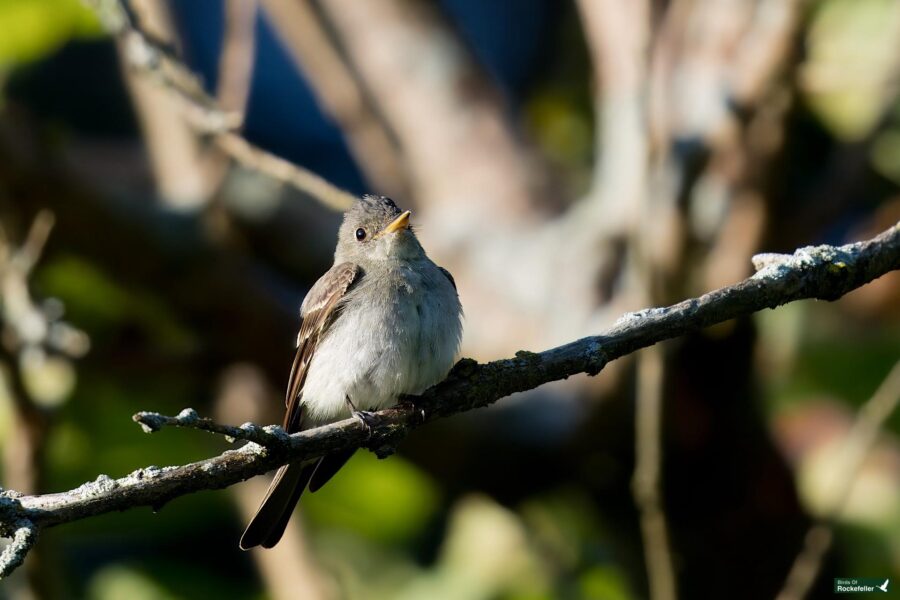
824, 272
25, 323
23, 538
254, 158
270, 435
158, 62
859, 442
648, 467
31, 249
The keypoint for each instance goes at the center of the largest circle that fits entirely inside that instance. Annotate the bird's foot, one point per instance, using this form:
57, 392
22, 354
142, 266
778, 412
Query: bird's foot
408, 403
366, 417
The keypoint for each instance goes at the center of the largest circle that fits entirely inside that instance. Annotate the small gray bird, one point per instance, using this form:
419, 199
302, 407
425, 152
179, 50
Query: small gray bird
384, 321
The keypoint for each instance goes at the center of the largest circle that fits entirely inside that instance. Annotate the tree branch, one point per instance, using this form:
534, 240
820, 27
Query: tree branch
823, 272
24, 535
237, 56
271, 435
203, 112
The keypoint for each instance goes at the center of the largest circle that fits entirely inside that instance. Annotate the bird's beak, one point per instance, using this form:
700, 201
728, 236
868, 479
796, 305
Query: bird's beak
401, 222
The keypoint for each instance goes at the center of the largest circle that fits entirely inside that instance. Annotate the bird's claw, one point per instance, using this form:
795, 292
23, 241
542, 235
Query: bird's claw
368, 420
408, 403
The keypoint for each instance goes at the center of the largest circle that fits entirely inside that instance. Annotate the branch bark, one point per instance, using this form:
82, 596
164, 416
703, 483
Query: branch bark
822, 272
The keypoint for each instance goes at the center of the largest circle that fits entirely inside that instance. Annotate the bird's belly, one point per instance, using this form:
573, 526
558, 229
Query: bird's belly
376, 354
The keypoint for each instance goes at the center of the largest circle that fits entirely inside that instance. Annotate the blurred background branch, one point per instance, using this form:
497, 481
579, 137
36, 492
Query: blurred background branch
36, 346
167, 93
647, 471
860, 440
313, 47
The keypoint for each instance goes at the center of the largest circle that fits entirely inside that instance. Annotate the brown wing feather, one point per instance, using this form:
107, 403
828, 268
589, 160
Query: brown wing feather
318, 311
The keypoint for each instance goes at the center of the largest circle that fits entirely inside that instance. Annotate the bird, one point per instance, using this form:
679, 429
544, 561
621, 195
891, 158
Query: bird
383, 322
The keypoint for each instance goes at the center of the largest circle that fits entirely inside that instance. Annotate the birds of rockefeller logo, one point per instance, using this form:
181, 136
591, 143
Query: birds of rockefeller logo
860, 585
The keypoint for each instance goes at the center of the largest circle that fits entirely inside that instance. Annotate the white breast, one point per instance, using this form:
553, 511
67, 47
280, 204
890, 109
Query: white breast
375, 351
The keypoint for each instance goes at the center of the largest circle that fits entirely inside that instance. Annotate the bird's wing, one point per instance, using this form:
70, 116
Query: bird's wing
320, 308
448, 276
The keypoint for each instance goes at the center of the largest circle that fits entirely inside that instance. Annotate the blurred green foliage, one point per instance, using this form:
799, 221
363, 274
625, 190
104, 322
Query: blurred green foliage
32, 29
822, 364
835, 358
886, 148
121, 581
388, 501
98, 303
851, 61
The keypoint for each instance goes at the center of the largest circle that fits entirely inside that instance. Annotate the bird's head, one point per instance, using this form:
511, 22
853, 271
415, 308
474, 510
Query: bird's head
375, 230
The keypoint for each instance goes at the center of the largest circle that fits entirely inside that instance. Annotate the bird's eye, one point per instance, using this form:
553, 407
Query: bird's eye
360, 234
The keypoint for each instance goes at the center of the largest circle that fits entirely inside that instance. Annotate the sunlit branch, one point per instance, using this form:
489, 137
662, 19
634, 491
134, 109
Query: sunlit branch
823, 272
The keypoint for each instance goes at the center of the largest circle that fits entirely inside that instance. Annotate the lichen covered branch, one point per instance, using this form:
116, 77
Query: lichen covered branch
264, 436
24, 535
824, 272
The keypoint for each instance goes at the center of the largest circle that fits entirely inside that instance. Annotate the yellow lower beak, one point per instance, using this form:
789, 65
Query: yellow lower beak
401, 222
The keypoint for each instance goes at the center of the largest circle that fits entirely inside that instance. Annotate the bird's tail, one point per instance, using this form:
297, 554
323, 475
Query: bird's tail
272, 516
